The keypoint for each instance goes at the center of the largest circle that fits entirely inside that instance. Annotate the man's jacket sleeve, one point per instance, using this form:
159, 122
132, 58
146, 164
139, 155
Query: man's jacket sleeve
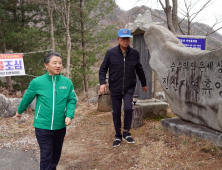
140, 73
27, 98
103, 69
71, 103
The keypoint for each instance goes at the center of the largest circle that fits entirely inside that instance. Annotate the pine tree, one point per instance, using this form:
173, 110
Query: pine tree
23, 33
90, 38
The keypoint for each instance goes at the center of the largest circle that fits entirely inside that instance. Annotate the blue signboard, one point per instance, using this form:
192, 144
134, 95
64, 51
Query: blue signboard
194, 42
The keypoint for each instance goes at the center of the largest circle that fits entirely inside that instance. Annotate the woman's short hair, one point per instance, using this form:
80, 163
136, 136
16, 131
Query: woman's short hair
51, 54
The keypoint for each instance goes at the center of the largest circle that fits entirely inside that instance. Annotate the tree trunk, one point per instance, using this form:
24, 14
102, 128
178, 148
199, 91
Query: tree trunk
68, 52
174, 15
8, 78
137, 117
83, 47
68, 40
169, 17
50, 12
188, 26
9, 83
23, 84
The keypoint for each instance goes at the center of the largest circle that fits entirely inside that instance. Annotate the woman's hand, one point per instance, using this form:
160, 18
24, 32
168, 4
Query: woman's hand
18, 115
68, 121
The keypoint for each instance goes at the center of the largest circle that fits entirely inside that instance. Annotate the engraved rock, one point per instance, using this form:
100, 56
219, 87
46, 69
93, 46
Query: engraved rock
191, 78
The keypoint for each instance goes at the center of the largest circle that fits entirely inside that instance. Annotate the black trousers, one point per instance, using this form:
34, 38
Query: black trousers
117, 98
50, 143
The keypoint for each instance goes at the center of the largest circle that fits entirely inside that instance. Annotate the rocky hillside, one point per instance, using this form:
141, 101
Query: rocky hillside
121, 18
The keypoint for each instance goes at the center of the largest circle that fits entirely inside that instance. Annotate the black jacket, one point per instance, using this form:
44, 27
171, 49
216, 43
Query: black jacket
121, 78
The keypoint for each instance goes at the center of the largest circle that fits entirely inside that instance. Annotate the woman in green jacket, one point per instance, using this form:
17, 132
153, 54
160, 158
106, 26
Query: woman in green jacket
54, 110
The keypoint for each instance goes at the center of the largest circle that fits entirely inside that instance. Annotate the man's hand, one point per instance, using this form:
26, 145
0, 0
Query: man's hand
68, 121
18, 115
144, 88
102, 89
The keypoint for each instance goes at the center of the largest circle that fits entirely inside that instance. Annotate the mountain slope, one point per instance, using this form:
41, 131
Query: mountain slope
120, 18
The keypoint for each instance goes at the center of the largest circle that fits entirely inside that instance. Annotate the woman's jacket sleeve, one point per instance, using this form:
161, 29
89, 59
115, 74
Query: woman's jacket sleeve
27, 98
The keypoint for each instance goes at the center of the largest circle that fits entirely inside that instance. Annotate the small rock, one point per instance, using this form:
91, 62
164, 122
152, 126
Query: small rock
21, 121
18, 94
161, 95
93, 100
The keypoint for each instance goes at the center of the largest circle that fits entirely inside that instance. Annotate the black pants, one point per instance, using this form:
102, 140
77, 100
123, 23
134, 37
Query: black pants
50, 143
116, 105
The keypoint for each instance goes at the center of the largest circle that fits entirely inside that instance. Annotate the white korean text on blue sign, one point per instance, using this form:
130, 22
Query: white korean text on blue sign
194, 42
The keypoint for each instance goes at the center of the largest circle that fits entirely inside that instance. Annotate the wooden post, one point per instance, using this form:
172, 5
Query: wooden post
137, 120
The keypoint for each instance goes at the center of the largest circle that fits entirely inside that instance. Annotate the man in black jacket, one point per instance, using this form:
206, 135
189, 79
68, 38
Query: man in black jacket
123, 63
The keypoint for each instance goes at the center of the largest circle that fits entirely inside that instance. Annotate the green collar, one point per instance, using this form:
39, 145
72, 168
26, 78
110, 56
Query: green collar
50, 77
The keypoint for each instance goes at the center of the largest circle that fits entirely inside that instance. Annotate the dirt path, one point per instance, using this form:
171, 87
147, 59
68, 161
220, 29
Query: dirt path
88, 145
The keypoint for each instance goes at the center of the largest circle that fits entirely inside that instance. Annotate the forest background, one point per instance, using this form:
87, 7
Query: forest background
82, 31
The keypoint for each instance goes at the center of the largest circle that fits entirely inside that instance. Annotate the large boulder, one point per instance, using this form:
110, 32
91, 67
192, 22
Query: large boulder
191, 78
8, 107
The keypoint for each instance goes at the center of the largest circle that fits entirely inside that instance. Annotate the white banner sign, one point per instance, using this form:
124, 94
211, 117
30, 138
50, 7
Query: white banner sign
11, 65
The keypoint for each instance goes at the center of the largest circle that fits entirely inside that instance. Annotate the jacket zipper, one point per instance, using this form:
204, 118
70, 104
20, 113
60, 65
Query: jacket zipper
123, 76
53, 102
38, 111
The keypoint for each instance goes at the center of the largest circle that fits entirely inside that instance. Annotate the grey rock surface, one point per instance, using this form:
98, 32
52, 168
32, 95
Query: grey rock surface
152, 108
161, 96
142, 23
191, 78
180, 127
93, 100
13, 159
32, 105
8, 107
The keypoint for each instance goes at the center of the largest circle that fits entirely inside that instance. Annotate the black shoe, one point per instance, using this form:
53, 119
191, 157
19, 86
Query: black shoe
129, 139
116, 142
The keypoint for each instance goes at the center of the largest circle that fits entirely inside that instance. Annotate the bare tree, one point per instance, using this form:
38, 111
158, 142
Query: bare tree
217, 21
63, 11
171, 14
188, 16
8, 78
50, 7
83, 46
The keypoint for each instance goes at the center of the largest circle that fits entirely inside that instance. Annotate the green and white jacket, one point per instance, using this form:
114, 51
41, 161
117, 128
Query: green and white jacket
55, 100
